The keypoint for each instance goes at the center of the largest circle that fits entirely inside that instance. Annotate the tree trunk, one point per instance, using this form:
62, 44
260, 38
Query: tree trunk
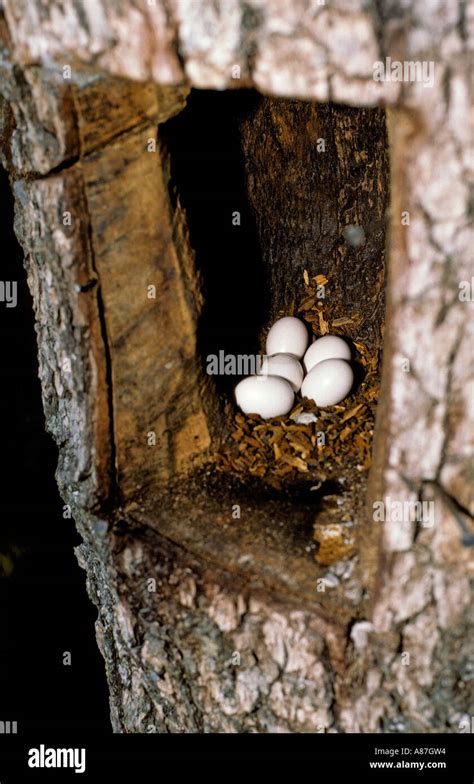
211, 620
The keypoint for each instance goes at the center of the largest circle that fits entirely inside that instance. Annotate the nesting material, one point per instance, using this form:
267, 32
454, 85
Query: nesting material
285, 451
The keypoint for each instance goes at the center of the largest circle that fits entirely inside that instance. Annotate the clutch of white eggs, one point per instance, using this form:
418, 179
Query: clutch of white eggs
329, 376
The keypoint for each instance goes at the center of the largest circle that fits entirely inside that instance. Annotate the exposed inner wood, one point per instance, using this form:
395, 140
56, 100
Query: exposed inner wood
298, 175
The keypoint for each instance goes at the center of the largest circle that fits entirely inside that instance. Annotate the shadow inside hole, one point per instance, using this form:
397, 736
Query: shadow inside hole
305, 494
293, 510
359, 376
208, 175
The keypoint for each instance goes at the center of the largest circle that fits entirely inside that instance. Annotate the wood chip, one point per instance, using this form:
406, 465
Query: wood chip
352, 412
340, 322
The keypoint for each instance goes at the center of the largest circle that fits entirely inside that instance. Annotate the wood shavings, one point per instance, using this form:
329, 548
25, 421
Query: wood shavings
281, 451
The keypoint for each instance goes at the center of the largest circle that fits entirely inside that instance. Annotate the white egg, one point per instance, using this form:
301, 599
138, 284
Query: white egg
287, 336
328, 382
285, 366
327, 347
269, 396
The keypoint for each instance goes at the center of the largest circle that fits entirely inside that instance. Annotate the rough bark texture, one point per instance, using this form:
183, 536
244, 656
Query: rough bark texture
399, 660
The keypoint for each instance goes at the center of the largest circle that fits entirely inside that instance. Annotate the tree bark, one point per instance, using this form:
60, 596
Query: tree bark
205, 625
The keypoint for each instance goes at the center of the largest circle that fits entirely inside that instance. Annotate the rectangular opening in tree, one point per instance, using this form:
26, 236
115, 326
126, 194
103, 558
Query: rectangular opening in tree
285, 204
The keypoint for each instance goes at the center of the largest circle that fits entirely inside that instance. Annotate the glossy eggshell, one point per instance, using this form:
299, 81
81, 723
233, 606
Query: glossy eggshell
329, 382
268, 396
287, 336
286, 366
327, 347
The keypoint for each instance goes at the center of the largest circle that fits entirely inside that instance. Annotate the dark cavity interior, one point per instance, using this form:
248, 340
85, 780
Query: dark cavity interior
310, 185
209, 176
271, 188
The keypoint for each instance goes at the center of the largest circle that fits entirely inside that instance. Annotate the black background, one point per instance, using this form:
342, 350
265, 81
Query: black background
44, 608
